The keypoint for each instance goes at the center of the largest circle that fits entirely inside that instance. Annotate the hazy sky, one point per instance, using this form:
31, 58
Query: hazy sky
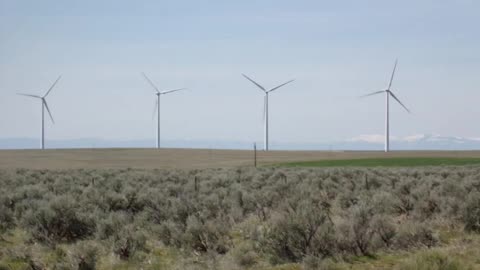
336, 51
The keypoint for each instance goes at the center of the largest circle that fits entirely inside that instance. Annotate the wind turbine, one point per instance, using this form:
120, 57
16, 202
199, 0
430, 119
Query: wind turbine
388, 92
44, 105
157, 104
265, 109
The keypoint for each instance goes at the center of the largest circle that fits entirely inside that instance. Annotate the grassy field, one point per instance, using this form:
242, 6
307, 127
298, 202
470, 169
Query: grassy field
386, 162
199, 158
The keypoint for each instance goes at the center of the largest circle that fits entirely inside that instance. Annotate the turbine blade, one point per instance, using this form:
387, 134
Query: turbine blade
283, 84
48, 110
155, 109
28, 95
150, 82
254, 82
53, 85
393, 74
398, 100
372, 94
171, 91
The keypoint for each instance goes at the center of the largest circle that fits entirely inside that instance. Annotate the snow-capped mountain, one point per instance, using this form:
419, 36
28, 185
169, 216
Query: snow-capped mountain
416, 142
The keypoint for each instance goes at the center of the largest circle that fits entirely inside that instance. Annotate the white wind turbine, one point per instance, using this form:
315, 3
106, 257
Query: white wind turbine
44, 105
388, 92
265, 109
157, 104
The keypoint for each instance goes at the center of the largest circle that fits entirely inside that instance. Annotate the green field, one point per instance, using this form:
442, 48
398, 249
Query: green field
387, 162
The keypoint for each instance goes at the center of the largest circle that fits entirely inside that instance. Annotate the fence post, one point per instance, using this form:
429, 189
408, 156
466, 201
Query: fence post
255, 154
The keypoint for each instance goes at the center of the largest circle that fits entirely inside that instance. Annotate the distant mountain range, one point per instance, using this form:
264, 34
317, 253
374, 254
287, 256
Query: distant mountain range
363, 142
28, 143
414, 142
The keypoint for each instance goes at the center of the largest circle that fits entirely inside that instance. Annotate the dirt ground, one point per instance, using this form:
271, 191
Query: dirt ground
184, 158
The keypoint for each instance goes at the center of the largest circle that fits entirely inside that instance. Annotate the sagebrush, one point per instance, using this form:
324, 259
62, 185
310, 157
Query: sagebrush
243, 217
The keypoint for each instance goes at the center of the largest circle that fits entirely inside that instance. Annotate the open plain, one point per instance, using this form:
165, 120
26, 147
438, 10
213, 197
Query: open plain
191, 158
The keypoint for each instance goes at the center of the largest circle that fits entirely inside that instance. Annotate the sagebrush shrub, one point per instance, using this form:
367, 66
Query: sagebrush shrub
111, 225
6, 219
471, 215
414, 234
385, 229
299, 231
60, 220
245, 256
128, 241
85, 256
207, 235
170, 233
362, 228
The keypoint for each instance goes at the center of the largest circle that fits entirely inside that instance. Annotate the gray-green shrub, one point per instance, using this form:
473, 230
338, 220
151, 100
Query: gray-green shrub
294, 214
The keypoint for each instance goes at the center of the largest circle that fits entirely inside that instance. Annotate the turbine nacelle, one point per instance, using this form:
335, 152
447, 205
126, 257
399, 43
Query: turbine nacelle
388, 91
158, 92
43, 98
263, 88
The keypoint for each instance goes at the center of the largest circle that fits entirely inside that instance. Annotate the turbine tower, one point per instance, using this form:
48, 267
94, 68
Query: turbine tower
44, 105
157, 104
388, 92
265, 109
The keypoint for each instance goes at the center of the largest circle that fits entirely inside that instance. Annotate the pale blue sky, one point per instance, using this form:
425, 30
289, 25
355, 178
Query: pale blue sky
336, 51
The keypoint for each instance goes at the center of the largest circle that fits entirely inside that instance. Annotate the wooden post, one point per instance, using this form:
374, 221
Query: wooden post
255, 154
